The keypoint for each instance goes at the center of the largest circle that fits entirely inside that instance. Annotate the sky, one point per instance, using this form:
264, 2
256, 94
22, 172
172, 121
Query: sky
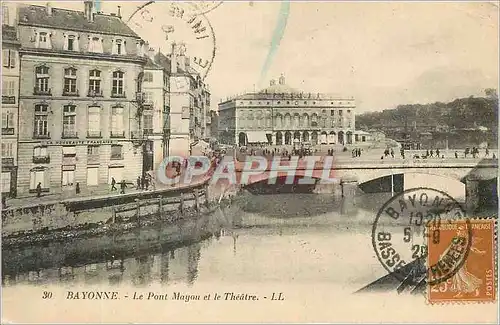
382, 53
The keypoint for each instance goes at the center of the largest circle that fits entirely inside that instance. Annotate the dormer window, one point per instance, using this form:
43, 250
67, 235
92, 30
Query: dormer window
42, 40
119, 47
95, 44
71, 42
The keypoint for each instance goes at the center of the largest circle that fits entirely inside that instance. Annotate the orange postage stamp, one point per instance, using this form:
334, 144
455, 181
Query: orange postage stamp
461, 259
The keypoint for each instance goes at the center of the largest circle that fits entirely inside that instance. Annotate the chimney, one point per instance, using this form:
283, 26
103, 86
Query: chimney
282, 79
173, 58
272, 82
89, 10
49, 9
151, 53
181, 57
120, 12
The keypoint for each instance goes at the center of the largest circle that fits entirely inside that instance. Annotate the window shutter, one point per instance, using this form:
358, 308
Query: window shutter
65, 41
76, 44
37, 39
12, 59
5, 58
124, 47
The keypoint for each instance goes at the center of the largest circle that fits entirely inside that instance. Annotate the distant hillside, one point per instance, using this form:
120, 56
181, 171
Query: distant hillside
463, 113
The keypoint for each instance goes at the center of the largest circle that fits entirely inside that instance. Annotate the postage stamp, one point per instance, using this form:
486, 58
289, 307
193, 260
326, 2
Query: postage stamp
400, 235
475, 279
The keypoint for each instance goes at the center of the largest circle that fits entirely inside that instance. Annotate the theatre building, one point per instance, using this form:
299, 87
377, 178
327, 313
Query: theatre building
281, 115
81, 73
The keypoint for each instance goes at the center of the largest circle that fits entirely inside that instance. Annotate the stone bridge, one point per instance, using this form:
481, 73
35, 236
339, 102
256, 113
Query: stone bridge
350, 173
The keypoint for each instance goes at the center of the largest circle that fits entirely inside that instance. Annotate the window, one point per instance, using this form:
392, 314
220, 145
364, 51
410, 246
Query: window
7, 119
69, 151
7, 150
42, 80
69, 121
93, 150
95, 83
148, 124
148, 97
40, 152
44, 40
92, 179
340, 112
348, 111
5, 15
71, 42
68, 175
94, 122
332, 112
70, 81
9, 88
117, 89
38, 176
41, 121
95, 45
6, 182
9, 58
117, 121
148, 77
116, 152
119, 47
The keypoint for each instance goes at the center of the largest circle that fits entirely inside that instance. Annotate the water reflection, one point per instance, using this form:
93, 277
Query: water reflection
282, 237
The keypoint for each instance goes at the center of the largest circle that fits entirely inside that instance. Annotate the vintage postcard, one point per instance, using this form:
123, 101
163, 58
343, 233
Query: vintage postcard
249, 161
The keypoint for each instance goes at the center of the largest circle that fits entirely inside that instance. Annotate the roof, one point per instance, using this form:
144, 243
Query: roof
9, 34
73, 20
151, 65
279, 89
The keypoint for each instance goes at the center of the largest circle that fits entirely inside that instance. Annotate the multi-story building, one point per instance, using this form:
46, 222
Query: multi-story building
156, 99
189, 100
80, 76
10, 101
212, 124
281, 115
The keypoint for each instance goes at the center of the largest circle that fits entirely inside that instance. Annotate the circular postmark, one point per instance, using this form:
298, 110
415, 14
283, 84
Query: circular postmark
202, 7
172, 29
410, 224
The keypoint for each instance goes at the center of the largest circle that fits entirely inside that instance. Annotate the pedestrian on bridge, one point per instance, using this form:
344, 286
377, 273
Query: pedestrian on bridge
437, 152
456, 155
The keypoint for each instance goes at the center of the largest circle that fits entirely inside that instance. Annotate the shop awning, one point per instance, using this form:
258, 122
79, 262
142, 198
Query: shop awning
257, 137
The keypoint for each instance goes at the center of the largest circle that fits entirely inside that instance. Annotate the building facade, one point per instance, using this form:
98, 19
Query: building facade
81, 73
10, 102
189, 103
156, 98
281, 115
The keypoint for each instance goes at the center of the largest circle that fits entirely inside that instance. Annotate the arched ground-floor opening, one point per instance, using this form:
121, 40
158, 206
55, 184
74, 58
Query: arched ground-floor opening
341, 137
288, 137
305, 136
314, 138
279, 138
324, 137
331, 137
242, 139
349, 137
296, 135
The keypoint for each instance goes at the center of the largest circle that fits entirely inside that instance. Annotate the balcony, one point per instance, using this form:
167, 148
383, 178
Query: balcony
7, 161
41, 136
94, 134
148, 105
41, 159
41, 92
7, 131
95, 93
69, 135
117, 134
148, 131
8, 99
136, 135
71, 93
118, 95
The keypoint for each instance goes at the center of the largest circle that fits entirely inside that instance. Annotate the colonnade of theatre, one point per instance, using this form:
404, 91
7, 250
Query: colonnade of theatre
291, 137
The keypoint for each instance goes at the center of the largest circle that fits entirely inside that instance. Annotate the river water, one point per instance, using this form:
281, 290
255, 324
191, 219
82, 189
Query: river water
280, 238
